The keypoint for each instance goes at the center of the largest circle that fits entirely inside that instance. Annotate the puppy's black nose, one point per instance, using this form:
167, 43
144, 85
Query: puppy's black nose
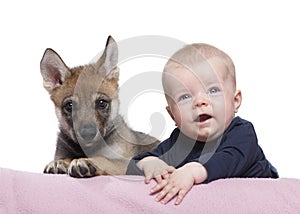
88, 132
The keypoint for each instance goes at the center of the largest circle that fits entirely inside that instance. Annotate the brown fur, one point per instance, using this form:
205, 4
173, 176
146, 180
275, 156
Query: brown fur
93, 138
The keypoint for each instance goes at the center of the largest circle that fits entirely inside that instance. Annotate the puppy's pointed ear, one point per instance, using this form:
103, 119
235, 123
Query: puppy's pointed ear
54, 71
109, 59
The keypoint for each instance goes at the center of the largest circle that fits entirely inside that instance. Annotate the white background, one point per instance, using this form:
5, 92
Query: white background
262, 37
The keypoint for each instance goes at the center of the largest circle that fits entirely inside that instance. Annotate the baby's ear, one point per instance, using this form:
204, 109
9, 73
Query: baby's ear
170, 113
237, 100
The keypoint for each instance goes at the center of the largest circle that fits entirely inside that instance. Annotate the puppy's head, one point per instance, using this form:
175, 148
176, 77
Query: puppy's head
85, 97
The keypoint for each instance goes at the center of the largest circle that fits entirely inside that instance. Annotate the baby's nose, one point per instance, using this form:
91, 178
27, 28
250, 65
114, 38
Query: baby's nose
201, 100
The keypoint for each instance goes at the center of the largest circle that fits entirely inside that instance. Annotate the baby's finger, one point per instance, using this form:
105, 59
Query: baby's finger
170, 169
147, 180
166, 176
148, 177
158, 186
167, 194
158, 178
180, 196
165, 173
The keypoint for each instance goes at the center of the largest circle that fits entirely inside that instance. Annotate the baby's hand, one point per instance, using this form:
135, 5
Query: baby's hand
155, 168
179, 182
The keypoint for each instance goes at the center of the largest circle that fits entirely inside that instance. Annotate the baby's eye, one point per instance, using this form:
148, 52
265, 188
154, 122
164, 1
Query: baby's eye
185, 96
213, 90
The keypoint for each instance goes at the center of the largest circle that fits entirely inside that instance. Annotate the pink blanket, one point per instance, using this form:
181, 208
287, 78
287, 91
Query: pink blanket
24, 192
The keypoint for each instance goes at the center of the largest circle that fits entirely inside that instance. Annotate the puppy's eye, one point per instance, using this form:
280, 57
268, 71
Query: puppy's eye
68, 106
101, 104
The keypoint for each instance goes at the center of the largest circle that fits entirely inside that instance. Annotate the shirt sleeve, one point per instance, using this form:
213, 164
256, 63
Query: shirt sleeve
236, 154
133, 169
159, 151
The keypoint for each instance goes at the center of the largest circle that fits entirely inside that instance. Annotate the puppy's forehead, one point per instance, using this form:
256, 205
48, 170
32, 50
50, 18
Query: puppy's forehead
86, 83
92, 82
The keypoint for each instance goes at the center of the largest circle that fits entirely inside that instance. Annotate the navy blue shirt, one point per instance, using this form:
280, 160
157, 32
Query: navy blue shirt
235, 154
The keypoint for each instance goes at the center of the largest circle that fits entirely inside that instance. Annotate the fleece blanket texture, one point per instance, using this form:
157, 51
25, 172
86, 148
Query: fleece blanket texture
24, 192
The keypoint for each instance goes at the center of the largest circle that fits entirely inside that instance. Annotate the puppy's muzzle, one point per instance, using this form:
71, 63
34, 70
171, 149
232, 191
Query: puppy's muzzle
88, 133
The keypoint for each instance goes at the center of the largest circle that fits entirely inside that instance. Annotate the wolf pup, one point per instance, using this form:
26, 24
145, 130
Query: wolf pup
93, 138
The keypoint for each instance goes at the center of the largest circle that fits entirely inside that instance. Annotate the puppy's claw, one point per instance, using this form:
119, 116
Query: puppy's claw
57, 167
82, 168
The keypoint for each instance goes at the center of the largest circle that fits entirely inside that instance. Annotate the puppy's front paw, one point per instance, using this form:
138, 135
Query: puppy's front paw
57, 167
82, 168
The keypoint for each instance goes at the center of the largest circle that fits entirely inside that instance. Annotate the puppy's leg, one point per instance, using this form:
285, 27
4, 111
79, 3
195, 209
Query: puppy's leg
89, 167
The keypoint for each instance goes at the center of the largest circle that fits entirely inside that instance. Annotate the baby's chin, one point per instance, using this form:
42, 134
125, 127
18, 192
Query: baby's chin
208, 136
195, 135
203, 134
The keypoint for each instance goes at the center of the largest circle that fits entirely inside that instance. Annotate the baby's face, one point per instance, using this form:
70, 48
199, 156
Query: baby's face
202, 101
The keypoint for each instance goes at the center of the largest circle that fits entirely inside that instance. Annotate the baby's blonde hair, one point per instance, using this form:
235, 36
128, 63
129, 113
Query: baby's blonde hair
196, 53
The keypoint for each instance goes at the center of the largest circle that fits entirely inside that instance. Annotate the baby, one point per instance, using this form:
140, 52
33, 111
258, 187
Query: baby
210, 142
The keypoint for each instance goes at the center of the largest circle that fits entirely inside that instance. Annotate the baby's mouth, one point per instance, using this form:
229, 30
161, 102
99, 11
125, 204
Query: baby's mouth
202, 118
